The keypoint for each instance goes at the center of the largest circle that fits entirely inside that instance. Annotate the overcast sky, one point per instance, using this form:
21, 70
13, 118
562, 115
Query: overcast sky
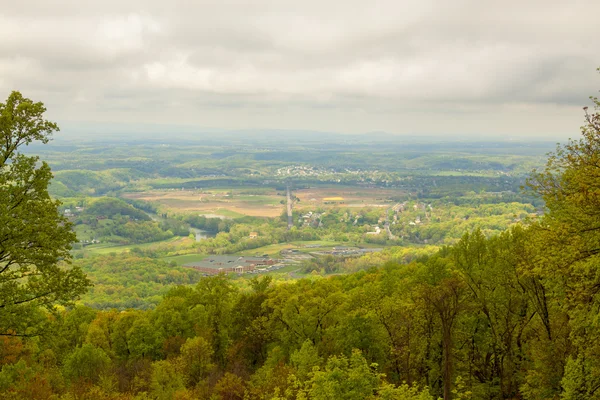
488, 68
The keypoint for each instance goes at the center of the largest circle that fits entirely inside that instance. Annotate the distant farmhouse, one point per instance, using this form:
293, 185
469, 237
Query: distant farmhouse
214, 265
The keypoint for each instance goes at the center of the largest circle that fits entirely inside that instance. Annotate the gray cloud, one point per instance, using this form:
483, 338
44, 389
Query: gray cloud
472, 67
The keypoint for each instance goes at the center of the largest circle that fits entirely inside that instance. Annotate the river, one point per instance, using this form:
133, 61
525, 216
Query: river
201, 234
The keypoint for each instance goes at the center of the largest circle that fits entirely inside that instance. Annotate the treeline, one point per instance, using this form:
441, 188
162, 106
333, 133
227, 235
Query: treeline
109, 207
207, 223
424, 182
141, 205
68, 183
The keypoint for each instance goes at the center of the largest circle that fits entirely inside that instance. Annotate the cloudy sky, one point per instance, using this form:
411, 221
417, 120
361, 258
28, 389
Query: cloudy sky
463, 67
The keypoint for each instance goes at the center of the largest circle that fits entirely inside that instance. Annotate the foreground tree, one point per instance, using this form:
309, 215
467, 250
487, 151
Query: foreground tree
569, 235
570, 187
34, 238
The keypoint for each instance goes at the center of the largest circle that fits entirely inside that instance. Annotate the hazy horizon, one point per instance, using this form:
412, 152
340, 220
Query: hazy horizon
464, 69
164, 132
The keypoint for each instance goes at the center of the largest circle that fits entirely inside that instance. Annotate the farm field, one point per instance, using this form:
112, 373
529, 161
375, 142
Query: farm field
226, 203
329, 196
213, 203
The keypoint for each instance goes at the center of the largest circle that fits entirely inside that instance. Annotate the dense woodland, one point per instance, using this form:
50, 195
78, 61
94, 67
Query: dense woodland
496, 314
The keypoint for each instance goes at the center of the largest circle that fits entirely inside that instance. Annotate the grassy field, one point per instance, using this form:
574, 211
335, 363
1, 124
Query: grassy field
106, 248
272, 250
185, 258
229, 203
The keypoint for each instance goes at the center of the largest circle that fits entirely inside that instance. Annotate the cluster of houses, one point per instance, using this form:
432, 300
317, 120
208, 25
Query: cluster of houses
401, 207
311, 219
86, 242
301, 170
417, 221
69, 212
377, 230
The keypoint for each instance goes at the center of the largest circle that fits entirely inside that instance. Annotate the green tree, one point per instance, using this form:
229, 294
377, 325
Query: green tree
570, 230
251, 328
34, 238
230, 387
165, 380
143, 340
20, 381
307, 310
305, 359
86, 363
500, 310
217, 295
444, 294
568, 243
402, 392
344, 378
195, 360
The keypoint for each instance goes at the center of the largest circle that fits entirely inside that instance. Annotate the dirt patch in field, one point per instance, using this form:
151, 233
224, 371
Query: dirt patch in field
349, 197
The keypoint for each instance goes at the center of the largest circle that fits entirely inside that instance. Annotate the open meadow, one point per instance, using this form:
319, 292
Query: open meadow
228, 203
108, 248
